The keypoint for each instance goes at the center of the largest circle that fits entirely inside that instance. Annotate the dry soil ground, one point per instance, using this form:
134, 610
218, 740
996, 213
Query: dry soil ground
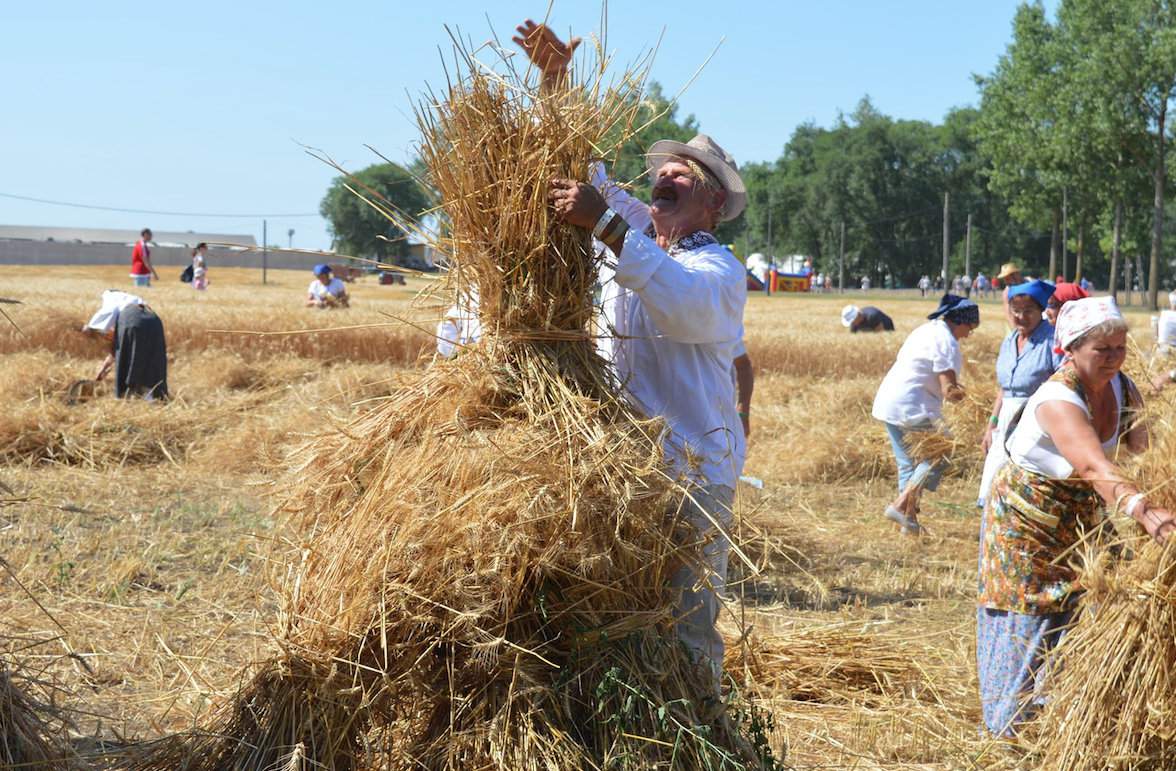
132, 535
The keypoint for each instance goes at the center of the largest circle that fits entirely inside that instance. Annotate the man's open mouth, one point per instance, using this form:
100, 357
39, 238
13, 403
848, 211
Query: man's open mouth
663, 195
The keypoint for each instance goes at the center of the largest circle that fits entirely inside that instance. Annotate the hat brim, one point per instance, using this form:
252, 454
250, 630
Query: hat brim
728, 177
1006, 273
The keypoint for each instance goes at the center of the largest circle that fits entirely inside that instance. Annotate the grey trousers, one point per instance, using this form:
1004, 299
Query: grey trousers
698, 605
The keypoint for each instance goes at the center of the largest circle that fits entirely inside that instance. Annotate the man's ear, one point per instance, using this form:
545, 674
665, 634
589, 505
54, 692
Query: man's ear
719, 200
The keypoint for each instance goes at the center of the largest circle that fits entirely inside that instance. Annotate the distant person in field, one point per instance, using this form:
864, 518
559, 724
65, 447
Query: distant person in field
910, 400
326, 291
199, 267
867, 319
865, 283
142, 271
828, 283
1025, 361
673, 302
982, 284
924, 285
138, 350
1049, 503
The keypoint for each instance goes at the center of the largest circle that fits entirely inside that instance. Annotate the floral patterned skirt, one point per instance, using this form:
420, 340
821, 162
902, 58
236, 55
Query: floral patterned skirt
1011, 661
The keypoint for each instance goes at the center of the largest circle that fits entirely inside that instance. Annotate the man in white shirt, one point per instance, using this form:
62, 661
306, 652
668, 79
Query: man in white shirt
325, 291
674, 299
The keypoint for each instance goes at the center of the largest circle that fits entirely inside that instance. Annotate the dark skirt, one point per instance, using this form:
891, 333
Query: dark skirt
140, 354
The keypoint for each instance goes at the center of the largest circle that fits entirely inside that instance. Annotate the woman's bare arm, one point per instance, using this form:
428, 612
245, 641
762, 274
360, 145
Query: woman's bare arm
1074, 436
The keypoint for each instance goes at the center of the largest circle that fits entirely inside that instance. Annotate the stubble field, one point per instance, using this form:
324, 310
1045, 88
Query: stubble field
134, 585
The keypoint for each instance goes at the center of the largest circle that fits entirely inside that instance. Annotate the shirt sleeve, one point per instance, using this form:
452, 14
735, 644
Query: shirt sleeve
633, 210
698, 300
945, 355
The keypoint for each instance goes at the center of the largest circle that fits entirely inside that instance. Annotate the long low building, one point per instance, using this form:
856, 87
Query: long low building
36, 245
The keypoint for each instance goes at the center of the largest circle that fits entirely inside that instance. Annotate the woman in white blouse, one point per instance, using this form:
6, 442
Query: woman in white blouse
910, 399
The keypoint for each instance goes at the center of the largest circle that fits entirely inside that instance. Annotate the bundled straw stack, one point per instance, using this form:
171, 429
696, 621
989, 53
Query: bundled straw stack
482, 577
26, 738
1112, 692
960, 431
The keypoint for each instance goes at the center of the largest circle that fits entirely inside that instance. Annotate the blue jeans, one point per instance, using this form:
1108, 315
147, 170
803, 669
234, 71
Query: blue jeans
906, 464
142, 280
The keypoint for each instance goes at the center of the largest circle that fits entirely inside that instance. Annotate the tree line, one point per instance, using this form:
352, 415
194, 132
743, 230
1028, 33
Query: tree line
1063, 167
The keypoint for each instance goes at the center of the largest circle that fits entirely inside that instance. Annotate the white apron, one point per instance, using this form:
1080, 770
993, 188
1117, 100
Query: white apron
997, 456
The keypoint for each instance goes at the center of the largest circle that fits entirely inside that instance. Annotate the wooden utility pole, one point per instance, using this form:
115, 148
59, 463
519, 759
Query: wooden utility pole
771, 254
968, 249
841, 262
1157, 245
264, 250
1127, 284
1116, 239
1053, 244
946, 238
1065, 231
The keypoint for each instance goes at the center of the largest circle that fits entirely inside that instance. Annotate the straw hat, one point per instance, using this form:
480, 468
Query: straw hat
716, 160
848, 314
1008, 269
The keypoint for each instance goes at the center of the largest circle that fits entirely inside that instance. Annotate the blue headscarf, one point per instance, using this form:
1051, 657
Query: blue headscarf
1039, 290
957, 310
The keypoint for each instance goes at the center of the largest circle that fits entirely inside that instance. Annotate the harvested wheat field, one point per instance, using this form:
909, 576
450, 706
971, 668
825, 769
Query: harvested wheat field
134, 537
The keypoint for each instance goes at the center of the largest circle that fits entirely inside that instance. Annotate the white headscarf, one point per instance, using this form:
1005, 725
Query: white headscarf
113, 301
1078, 317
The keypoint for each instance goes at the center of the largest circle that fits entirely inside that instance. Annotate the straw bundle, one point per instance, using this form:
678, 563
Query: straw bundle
481, 581
27, 736
1113, 690
22, 736
830, 664
958, 438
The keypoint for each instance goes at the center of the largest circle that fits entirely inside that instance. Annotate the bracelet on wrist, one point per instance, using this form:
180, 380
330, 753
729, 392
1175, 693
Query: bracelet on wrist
605, 218
610, 230
743, 414
993, 420
616, 232
1132, 503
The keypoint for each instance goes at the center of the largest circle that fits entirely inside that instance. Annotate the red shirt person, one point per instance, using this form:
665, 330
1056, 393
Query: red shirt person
141, 268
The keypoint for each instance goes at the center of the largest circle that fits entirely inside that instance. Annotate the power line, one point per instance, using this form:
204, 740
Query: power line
152, 211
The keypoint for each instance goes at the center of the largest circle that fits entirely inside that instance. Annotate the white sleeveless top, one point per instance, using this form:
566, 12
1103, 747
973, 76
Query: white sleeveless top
1031, 448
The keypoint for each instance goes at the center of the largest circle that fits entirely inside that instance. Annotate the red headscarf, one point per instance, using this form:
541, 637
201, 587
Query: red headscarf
1065, 292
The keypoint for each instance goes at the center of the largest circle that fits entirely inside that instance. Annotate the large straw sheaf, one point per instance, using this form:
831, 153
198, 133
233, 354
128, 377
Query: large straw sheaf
1112, 690
32, 729
480, 577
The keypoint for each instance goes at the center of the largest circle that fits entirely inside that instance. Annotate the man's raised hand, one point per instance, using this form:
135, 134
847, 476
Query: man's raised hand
550, 54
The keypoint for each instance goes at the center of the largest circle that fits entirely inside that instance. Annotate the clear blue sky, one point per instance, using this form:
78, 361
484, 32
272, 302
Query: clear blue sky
202, 106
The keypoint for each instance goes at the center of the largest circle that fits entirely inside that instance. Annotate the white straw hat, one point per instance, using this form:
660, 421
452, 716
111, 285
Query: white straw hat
716, 160
848, 314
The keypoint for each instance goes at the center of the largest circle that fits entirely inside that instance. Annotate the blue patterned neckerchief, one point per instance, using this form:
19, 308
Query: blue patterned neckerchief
686, 243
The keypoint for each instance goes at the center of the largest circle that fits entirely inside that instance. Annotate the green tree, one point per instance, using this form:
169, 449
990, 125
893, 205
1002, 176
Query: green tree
1016, 127
1123, 58
359, 229
656, 119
